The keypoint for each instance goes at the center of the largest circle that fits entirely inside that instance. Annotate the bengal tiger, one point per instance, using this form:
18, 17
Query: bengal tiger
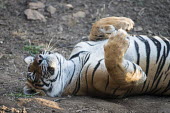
112, 64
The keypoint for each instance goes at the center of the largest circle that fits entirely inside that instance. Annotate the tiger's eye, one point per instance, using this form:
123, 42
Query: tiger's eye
51, 70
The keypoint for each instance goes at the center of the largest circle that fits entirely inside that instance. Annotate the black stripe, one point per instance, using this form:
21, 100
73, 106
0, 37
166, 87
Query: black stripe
143, 86
158, 46
128, 92
77, 86
167, 46
114, 91
147, 87
134, 66
107, 83
165, 77
158, 81
156, 91
86, 58
168, 69
45, 83
77, 54
95, 68
167, 88
90, 44
161, 64
137, 52
73, 71
86, 77
58, 73
147, 48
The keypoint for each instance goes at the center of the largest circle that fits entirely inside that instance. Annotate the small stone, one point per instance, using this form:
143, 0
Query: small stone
34, 15
69, 6
84, 38
80, 14
1, 42
138, 28
51, 9
36, 5
149, 32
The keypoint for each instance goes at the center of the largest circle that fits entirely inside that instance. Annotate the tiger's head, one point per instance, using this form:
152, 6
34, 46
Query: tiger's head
44, 73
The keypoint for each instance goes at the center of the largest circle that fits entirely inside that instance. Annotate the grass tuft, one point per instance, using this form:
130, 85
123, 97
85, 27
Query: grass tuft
20, 95
32, 49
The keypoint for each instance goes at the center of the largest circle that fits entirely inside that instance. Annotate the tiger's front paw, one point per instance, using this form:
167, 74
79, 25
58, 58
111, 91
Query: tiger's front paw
118, 41
28, 90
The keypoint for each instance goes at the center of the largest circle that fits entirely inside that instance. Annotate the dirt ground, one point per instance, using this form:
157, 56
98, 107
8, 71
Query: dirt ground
66, 29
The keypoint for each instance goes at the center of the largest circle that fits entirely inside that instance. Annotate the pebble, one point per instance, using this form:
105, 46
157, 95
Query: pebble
138, 28
69, 6
36, 5
34, 15
51, 9
1, 42
79, 14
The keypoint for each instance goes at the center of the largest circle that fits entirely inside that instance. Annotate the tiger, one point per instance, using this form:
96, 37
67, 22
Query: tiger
111, 64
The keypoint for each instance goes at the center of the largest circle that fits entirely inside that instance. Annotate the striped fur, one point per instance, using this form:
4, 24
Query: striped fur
120, 66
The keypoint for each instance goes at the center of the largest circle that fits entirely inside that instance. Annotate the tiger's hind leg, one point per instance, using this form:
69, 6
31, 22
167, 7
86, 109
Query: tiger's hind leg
105, 26
123, 72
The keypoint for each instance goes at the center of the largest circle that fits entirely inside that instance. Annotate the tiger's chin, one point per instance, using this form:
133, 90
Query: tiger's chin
30, 90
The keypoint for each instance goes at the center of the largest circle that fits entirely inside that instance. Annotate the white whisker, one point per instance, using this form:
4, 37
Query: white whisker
53, 50
49, 44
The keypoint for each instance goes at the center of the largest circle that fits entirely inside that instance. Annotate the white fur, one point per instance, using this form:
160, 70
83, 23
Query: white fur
112, 29
29, 60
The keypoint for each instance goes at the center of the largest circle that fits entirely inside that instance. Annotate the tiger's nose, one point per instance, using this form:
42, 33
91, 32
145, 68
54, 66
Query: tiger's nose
39, 59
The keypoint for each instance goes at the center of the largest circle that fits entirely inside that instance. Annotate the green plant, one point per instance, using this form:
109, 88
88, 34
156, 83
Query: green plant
32, 49
18, 95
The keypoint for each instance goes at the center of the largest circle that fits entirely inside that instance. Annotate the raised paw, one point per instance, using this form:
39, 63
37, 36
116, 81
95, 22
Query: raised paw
105, 26
118, 41
119, 35
124, 23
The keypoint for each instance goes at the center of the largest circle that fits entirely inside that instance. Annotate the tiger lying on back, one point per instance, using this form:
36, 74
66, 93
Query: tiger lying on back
119, 66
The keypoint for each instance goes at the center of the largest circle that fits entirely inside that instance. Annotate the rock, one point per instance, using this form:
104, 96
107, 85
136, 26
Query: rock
36, 5
79, 14
69, 6
149, 32
138, 28
34, 15
51, 9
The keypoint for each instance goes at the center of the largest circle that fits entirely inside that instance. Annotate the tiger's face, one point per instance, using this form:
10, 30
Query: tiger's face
41, 71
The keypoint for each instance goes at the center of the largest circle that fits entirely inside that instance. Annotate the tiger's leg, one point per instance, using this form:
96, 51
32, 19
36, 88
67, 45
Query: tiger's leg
30, 90
123, 72
106, 25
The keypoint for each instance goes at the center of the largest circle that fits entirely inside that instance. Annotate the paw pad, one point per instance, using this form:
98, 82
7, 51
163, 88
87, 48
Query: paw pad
107, 29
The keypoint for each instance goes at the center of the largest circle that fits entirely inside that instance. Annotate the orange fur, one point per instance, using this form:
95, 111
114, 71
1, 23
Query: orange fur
118, 22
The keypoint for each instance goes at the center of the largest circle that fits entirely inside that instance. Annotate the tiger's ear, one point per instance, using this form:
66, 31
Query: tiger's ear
29, 60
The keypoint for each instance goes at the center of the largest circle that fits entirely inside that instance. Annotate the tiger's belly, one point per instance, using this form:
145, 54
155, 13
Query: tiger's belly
152, 55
